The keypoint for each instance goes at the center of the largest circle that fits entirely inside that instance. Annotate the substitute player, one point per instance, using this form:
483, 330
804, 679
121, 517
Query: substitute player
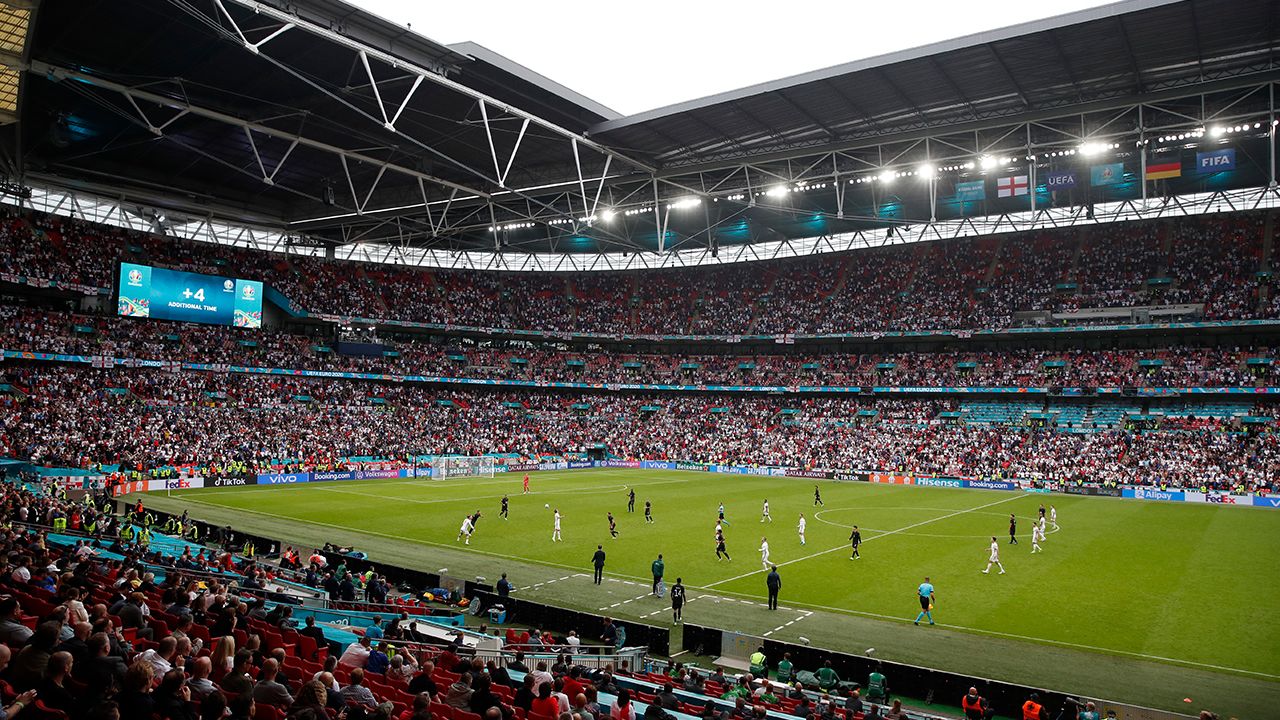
648, 512
555, 534
1037, 536
800, 528
466, 530
855, 539
927, 595
995, 557
764, 512
764, 552
677, 599
503, 513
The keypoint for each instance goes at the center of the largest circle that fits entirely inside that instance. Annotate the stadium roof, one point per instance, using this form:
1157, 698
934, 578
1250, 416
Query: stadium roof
342, 128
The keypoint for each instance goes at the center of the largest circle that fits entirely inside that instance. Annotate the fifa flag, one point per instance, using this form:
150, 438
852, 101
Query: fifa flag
1161, 171
1108, 174
1012, 186
1216, 161
969, 191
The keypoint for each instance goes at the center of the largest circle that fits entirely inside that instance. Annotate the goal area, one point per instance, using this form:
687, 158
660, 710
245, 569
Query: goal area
448, 467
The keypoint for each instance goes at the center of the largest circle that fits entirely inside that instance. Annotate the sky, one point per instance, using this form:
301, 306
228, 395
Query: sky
636, 56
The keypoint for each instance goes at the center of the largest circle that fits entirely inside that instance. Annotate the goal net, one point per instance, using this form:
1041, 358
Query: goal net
447, 467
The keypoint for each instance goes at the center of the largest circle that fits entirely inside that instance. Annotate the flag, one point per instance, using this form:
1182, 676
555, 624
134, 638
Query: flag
1012, 186
1161, 171
1060, 181
103, 361
973, 190
1216, 161
1108, 174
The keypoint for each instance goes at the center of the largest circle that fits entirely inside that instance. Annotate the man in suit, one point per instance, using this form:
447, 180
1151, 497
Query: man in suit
597, 561
774, 583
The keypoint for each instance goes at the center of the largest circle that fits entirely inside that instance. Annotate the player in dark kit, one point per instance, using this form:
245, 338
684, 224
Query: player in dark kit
677, 599
720, 551
631, 500
613, 526
648, 511
817, 497
855, 539
1013, 529
503, 513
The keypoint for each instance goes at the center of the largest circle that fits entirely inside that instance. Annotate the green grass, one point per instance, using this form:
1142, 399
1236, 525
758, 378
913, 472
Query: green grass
1135, 601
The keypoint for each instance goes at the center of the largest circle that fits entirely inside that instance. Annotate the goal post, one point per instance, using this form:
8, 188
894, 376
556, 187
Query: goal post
448, 467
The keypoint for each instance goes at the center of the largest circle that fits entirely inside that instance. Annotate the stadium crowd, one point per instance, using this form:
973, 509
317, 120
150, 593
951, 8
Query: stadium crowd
220, 423
952, 284
33, 330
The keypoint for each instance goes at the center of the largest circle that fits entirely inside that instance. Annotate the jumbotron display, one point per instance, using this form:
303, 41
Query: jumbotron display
152, 292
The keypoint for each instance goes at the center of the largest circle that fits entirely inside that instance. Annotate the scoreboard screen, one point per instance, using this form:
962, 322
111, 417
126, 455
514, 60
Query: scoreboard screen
152, 292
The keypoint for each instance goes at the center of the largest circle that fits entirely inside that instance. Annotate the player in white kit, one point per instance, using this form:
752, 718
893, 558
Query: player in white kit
1053, 517
800, 527
555, 534
1037, 536
466, 530
764, 552
764, 512
995, 557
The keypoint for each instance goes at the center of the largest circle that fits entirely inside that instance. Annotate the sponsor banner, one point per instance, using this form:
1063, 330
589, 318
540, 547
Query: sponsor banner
818, 474
1090, 490
1267, 502
889, 479
1060, 181
1039, 490
620, 463
129, 487
329, 475
658, 465
579, 464
696, 467
522, 467
1107, 492
227, 482
175, 484
283, 478
1216, 161
849, 476
990, 485
940, 482
375, 474
1149, 494
1216, 498
1076, 490
562, 465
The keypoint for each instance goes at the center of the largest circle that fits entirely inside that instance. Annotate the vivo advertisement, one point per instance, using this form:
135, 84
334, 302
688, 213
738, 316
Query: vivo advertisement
152, 292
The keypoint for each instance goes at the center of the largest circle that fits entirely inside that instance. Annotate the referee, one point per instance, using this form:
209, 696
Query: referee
926, 601
855, 539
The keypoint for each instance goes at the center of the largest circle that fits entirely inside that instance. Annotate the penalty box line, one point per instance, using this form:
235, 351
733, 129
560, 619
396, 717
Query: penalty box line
873, 537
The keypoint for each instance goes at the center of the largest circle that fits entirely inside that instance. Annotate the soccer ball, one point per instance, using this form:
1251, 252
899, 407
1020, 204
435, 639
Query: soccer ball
546, 505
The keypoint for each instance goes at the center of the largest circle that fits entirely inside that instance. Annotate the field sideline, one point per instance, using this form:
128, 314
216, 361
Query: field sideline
1137, 601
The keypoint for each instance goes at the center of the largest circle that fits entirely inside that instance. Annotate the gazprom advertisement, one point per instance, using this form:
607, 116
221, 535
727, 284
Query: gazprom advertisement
152, 292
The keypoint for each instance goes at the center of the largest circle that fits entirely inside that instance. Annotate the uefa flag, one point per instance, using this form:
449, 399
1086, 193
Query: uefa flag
1108, 174
969, 191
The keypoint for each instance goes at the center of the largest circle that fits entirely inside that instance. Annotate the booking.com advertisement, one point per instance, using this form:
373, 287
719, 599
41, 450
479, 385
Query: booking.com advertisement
151, 292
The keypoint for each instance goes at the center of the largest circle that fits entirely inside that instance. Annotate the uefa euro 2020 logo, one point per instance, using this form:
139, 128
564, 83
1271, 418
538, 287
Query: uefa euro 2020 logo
228, 285
135, 278
247, 293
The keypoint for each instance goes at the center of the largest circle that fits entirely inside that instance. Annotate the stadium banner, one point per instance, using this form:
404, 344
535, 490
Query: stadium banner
890, 479
815, 474
523, 467
1090, 490
1215, 161
227, 482
1109, 174
185, 483
126, 488
930, 481
1267, 502
1033, 489
1149, 494
971, 191
329, 475
283, 478
1060, 181
1217, 498
695, 467
849, 476
581, 464
990, 485
562, 465
635, 464
658, 465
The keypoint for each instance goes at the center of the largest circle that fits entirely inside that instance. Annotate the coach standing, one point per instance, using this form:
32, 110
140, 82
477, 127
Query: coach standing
658, 568
774, 583
598, 561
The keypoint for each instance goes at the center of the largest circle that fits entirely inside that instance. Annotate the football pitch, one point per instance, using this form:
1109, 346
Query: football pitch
1135, 601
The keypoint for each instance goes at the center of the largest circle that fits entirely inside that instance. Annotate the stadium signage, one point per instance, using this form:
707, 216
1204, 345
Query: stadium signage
1269, 502
620, 463
1216, 161
1060, 181
696, 467
799, 473
524, 467
179, 484
283, 479
332, 475
228, 482
989, 485
376, 474
940, 482
1147, 494
579, 464
890, 479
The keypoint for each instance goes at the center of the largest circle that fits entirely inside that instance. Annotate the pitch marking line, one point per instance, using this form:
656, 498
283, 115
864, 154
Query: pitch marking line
548, 582
845, 546
827, 608
627, 602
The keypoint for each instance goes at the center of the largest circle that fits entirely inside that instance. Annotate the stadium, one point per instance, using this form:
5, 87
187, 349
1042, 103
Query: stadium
349, 374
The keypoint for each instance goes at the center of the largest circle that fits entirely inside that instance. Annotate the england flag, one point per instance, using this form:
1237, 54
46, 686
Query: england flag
1011, 186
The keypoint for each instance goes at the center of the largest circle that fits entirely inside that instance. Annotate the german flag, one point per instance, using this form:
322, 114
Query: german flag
1164, 170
